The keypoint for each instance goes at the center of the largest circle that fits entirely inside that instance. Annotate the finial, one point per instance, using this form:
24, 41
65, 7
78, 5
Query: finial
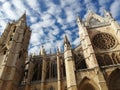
66, 41
79, 19
23, 17
58, 49
104, 10
90, 11
65, 38
67, 45
107, 14
42, 51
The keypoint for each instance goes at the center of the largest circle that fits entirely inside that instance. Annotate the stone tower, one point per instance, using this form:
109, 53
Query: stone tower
13, 45
100, 38
69, 65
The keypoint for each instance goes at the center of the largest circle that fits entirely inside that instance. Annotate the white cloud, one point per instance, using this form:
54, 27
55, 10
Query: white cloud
70, 15
55, 30
49, 46
8, 10
34, 50
33, 4
59, 20
45, 28
103, 2
2, 1
115, 8
35, 38
3, 25
19, 7
76, 41
33, 19
64, 3
59, 43
54, 9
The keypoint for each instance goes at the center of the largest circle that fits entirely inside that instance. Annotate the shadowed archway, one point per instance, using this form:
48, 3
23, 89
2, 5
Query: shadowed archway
87, 84
114, 80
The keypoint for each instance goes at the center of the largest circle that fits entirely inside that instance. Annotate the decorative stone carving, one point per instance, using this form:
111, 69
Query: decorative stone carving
103, 41
94, 21
100, 60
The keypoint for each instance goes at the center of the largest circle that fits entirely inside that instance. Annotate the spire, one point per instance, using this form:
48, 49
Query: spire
66, 41
58, 50
22, 20
79, 19
23, 17
107, 14
90, 13
67, 45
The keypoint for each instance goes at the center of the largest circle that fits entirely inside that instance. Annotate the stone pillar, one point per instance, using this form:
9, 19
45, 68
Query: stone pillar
101, 78
58, 70
69, 66
88, 50
114, 24
28, 77
43, 68
116, 27
30, 74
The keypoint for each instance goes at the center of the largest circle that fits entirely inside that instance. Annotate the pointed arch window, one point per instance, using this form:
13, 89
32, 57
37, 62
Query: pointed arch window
80, 62
11, 37
14, 29
54, 70
51, 88
4, 52
94, 21
48, 70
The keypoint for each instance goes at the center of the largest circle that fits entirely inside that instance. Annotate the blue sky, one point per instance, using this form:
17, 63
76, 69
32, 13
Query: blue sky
50, 20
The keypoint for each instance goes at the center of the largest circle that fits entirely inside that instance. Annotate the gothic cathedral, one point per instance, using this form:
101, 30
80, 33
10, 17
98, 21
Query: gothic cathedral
93, 65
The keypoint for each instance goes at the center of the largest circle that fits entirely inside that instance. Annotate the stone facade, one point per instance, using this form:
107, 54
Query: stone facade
93, 65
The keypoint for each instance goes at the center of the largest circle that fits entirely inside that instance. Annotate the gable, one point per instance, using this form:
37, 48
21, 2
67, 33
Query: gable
93, 19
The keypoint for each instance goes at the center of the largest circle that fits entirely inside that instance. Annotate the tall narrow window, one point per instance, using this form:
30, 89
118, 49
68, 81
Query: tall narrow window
40, 70
54, 70
64, 71
48, 70
4, 52
11, 37
14, 29
51, 88
20, 54
108, 60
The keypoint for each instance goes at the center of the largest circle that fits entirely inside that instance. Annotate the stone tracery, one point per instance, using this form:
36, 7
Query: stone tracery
103, 41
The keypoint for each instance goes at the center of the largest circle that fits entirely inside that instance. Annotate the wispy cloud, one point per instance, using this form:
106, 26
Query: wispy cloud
50, 20
115, 8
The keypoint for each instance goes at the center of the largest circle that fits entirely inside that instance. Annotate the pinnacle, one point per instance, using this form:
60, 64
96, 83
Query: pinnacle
66, 41
23, 17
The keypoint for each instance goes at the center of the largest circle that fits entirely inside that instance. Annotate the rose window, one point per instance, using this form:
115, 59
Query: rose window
103, 41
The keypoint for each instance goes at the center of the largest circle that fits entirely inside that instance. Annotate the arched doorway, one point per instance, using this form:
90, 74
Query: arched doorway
114, 80
87, 84
87, 87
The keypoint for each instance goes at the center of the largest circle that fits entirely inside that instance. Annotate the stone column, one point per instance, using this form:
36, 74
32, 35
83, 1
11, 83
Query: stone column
69, 66
101, 79
87, 47
43, 68
116, 27
58, 70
